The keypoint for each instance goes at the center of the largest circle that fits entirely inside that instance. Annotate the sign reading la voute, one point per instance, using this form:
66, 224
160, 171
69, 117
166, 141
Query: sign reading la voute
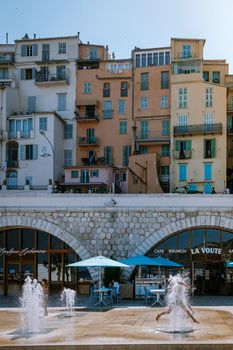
193, 251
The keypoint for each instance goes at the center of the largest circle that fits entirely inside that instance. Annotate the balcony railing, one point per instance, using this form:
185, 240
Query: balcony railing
198, 129
11, 135
230, 130
12, 164
152, 137
165, 178
88, 117
185, 56
85, 141
182, 154
7, 58
51, 78
230, 107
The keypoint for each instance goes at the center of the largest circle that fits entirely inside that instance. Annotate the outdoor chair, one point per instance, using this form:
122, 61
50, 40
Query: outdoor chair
148, 296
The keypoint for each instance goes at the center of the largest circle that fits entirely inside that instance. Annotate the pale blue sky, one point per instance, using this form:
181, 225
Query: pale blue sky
124, 24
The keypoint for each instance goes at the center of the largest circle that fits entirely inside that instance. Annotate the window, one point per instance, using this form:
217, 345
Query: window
209, 97
74, 174
144, 103
155, 58
45, 52
126, 154
43, 124
123, 128
164, 102
161, 58
93, 53
210, 148
106, 90
68, 131
216, 77
61, 48
24, 126
183, 149
182, 122
29, 50
143, 149
186, 51
165, 151
27, 74
137, 60
91, 138
144, 81
121, 107
107, 109
166, 127
31, 104
124, 89
95, 173
143, 60
208, 121
182, 97
61, 72
149, 59
67, 157
61, 102
207, 171
108, 155
164, 80
87, 87
28, 152
182, 172
167, 57
4, 73
206, 76
144, 126
164, 170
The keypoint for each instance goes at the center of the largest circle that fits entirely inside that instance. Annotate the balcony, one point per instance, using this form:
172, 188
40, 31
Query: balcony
88, 117
87, 141
6, 77
152, 137
6, 58
13, 135
182, 154
12, 164
51, 79
186, 56
95, 161
198, 129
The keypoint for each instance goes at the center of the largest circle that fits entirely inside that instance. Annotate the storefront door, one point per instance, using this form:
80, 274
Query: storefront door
16, 274
208, 277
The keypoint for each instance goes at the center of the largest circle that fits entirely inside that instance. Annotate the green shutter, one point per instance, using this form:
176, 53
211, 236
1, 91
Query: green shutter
188, 145
204, 155
23, 50
177, 145
213, 148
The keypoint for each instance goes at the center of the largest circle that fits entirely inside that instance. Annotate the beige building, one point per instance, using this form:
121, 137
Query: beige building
198, 119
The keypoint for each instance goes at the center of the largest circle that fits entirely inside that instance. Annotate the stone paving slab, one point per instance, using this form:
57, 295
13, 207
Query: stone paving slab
119, 328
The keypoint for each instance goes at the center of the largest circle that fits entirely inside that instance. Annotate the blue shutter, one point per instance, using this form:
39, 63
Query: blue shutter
183, 172
22, 74
23, 50
207, 171
61, 102
33, 73
207, 188
34, 49
22, 152
35, 152
31, 104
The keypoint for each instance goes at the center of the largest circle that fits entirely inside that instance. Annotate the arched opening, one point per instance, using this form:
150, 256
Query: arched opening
12, 179
26, 251
203, 251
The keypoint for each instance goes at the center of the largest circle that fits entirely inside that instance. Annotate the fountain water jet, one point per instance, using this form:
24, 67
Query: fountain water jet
179, 309
68, 295
31, 302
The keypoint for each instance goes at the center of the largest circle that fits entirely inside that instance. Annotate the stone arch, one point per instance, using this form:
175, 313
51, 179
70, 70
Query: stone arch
49, 227
221, 222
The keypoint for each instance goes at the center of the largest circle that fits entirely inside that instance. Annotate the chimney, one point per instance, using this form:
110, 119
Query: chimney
6, 38
34, 36
88, 43
78, 34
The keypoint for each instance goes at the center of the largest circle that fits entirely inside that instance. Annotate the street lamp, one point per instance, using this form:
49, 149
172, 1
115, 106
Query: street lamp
42, 132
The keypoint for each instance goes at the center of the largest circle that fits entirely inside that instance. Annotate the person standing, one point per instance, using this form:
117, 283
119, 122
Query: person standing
44, 285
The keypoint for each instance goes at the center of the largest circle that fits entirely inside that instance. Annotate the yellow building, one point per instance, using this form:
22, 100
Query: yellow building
198, 119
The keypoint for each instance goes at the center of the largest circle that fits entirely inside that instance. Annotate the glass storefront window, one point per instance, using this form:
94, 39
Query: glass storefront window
184, 240
43, 240
227, 240
56, 243
56, 268
13, 239
28, 239
198, 238
213, 238
42, 266
70, 272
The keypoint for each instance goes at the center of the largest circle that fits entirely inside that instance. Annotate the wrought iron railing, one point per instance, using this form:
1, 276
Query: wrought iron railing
197, 129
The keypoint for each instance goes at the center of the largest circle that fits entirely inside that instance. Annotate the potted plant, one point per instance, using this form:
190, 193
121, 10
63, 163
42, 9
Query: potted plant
27, 185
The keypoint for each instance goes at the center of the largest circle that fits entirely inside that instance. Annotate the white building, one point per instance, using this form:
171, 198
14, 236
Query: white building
45, 72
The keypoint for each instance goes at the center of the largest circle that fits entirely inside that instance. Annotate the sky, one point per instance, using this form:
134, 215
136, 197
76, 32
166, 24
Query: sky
124, 24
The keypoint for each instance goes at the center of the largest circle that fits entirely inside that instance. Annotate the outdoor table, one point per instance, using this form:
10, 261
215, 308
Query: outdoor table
102, 291
158, 293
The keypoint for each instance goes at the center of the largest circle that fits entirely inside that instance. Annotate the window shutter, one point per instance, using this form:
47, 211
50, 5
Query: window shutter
204, 149
177, 145
23, 50
33, 73
22, 152
34, 49
213, 147
22, 74
31, 104
188, 145
35, 152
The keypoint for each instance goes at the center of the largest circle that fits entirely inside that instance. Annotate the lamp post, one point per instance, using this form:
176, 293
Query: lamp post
42, 132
